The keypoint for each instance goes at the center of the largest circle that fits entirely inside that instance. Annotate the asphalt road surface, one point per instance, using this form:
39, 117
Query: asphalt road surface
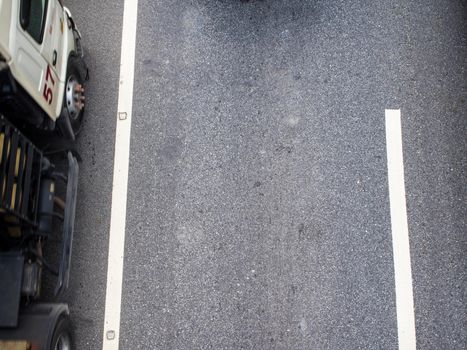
258, 209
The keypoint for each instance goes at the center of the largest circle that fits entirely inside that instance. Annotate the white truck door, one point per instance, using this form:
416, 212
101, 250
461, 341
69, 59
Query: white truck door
31, 66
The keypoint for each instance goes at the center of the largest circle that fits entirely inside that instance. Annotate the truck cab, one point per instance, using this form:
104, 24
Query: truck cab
42, 71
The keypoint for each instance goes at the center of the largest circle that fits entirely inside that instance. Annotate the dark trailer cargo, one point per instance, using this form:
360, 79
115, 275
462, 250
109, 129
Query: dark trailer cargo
37, 198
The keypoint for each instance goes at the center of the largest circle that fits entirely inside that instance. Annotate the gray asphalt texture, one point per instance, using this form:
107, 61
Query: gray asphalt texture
258, 209
100, 25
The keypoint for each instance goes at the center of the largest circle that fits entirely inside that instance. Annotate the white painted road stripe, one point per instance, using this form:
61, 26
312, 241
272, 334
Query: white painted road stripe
400, 232
120, 179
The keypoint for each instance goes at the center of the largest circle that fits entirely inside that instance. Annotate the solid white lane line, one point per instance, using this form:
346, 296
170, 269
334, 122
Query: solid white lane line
400, 232
120, 179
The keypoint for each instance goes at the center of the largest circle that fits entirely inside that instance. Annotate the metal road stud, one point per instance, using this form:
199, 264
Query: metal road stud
110, 335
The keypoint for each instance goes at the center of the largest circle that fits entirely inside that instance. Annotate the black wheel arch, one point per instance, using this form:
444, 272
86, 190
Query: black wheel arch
37, 323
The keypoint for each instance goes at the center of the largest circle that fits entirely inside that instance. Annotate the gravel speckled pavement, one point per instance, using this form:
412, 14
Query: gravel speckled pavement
258, 208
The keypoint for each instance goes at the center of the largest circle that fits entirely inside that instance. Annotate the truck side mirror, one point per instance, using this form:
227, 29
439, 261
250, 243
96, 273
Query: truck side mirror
25, 13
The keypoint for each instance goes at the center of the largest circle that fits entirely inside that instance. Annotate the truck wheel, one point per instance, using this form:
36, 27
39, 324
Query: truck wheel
62, 337
74, 93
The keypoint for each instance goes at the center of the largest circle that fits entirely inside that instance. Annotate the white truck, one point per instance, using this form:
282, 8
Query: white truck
42, 76
42, 71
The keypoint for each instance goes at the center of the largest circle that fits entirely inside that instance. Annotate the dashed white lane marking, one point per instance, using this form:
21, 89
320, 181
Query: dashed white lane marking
120, 179
400, 232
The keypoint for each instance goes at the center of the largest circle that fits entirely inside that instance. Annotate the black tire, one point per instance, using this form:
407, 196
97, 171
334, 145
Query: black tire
62, 338
75, 71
